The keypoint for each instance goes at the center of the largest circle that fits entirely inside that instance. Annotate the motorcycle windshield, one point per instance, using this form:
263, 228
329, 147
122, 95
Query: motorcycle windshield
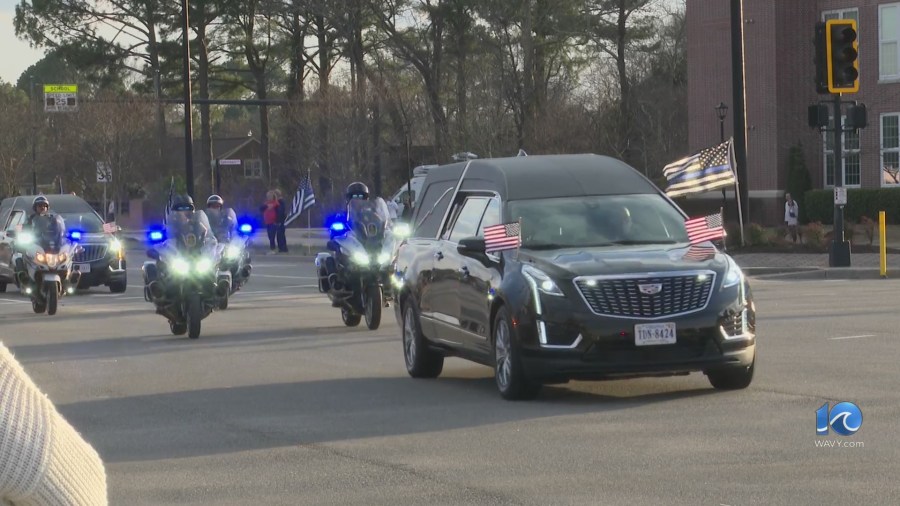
49, 232
190, 232
223, 223
368, 220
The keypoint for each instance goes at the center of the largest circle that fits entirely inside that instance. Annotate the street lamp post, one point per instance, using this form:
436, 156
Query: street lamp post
188, 126
721, 112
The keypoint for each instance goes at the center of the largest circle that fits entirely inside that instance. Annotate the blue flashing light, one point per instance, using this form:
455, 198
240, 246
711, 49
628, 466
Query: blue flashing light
156, 236
245, 229
338, 226
75, 235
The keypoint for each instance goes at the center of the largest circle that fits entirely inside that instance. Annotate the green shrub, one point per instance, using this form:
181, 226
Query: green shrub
757, 235
814, 233
819, 204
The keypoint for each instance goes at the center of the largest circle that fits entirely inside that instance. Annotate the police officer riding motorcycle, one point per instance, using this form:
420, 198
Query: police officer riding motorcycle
43, 262
182, 279
355, 273
233, 244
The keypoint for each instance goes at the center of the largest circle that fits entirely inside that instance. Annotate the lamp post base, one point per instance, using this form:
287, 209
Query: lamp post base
839, 255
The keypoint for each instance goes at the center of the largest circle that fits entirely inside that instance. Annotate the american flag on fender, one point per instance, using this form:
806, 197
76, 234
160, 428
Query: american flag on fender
698, 252
110, 228
303, 199
502, 237
707, 228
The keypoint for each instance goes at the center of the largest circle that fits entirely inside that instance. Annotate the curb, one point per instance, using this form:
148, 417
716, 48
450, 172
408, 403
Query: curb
840, 273
767, 271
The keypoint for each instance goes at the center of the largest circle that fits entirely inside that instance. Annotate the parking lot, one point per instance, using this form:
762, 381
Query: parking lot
279, 403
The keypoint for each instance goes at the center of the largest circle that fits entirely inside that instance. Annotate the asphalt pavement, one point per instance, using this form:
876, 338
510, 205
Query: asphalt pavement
279, 403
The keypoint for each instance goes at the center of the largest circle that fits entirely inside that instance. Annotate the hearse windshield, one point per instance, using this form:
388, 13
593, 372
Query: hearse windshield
597, 221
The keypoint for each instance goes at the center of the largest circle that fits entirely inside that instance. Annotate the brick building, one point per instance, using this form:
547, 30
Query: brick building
779, 73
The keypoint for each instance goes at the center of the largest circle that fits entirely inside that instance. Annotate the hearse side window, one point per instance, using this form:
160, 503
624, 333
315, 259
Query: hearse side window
491, 216
427, 225
16, 218
466, 224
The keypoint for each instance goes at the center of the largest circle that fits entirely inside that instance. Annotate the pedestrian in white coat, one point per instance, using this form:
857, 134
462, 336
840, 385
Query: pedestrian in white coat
791, 214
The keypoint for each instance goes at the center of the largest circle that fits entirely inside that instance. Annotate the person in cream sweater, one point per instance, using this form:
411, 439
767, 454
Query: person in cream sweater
43, 460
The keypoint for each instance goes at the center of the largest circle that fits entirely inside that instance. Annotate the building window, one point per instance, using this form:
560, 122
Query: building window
890, 149
851, 169
253, 169
842, 14
889, 41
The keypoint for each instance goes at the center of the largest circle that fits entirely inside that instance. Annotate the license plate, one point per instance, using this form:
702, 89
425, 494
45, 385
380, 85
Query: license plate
83, 267
650, 334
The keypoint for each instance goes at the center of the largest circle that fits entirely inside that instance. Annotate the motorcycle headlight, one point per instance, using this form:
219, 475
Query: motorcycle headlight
384, 258
402, 230
115, 246
40, 257
204, 265
541, 281
733, 275
181, 266
361, 258
62, 258
232, 252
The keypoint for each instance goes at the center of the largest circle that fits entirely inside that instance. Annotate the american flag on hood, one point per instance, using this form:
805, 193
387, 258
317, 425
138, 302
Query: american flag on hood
699, 252
502, 237
706, 228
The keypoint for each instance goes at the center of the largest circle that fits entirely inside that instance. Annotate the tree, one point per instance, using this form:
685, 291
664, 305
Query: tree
15, 142
798, 179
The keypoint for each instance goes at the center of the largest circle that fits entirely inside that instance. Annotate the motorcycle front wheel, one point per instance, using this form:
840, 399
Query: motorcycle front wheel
374, 301
52, 300
194, 313
350, 319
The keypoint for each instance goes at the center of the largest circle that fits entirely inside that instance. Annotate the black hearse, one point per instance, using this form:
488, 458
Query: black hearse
102, 259
605, 284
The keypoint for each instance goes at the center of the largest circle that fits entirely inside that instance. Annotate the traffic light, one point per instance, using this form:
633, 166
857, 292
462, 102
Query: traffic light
821, 60
842, 56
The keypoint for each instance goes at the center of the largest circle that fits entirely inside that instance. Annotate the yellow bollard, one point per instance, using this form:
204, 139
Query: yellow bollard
882, 241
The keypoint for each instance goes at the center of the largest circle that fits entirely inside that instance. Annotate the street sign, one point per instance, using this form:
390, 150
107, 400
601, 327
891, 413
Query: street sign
104, 173
60, 97
229, 162
840, 196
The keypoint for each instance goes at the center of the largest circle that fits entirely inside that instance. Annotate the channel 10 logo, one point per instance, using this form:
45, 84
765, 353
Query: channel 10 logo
844, 418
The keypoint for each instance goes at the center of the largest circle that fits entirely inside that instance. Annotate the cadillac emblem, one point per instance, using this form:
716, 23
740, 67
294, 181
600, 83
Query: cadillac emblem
650, 288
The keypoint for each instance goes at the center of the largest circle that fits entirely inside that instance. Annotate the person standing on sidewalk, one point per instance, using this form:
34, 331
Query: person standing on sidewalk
282, 217
270, 218
791, 215
43, 459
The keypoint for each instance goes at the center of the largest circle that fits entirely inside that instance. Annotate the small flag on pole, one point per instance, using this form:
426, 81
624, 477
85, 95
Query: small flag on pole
169, 201
303, 199
706, 228
502, 237
110, 228
707, 170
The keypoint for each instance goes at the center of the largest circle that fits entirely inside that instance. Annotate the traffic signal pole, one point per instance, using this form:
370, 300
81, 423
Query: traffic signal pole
839, 255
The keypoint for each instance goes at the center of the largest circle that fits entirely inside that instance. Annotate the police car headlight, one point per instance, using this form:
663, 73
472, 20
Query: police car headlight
361, 258
232, 252
384, 258
115, 246
733, 275
402, 230
203, 265
180, 266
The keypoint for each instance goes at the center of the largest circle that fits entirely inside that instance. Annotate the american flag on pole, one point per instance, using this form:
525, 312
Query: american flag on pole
707, 170
303, 199
706, 228
502, 237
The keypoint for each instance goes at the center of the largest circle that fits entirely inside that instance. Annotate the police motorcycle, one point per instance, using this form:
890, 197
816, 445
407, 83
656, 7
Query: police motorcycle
234, 244
183, 280
355, 274
44, 262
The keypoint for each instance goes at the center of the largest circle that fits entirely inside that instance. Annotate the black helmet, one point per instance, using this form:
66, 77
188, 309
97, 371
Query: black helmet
357, 190
182, 203
39, 201
215, 199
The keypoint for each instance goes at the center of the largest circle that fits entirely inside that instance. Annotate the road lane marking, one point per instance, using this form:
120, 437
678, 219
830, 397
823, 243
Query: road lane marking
850, 337
255, 275
13, 301
301, 286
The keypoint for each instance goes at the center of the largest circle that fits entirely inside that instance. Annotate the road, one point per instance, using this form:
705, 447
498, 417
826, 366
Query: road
279, 403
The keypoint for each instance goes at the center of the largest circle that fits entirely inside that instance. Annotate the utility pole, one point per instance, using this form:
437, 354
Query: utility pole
33, 140
737, 88
188, 127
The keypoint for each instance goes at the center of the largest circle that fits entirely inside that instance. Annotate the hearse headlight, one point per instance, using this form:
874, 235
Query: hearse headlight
539, 280
733, 274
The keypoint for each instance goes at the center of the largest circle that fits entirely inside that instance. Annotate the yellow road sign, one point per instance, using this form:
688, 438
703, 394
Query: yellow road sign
60, 88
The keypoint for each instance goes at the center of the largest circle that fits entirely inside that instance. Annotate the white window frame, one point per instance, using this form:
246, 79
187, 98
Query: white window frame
884, 150
828, 136
881, 41
842, 14
253, 169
